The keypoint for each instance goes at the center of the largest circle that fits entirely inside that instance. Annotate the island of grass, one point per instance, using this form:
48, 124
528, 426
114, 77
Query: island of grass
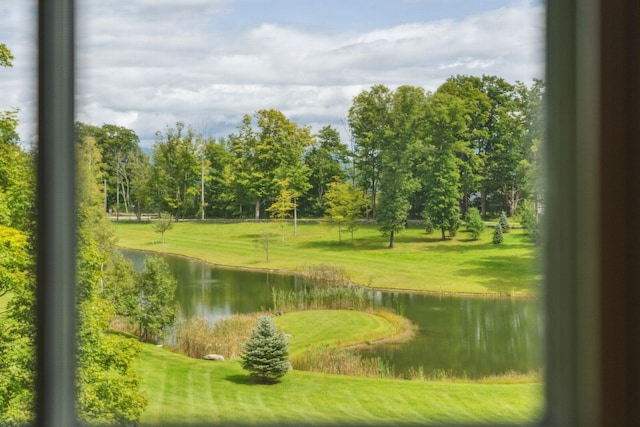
419, 262
184, 390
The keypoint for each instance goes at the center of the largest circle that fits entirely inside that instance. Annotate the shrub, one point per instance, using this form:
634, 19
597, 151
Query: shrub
475, 225
266, 355
504, 222
497, 235
428, 225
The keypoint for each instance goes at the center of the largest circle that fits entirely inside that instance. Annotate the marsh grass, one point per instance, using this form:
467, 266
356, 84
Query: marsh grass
323, 275
333, 360
326, 298
195, 337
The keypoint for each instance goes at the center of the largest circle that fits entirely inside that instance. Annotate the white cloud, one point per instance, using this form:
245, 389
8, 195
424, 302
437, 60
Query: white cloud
145, 64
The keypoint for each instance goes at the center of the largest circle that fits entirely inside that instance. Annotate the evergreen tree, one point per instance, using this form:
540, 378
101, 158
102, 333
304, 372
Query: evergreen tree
475, 225
497, 235
504, 222
266, 355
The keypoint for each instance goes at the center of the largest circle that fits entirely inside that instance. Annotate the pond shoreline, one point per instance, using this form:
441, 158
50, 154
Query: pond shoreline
488, 295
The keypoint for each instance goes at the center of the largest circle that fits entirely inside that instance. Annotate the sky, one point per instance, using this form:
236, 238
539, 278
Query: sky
146, 64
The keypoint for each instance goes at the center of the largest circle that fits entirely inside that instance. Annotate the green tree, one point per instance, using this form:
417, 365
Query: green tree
119, 147
325, 160
446, 121
104, 361
266, 355
265, 156
344, 205
283, 207
504, 222
156, 308
475, 225
368, 119
396, 179
498, 237
162, 225
177, 170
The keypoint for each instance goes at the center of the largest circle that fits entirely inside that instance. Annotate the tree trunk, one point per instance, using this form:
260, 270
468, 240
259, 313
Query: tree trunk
483, 203
257, 208
391, 240
444, 236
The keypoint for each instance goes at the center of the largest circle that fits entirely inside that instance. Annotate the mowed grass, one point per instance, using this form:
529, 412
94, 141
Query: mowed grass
183, 391
419, 262
336, 327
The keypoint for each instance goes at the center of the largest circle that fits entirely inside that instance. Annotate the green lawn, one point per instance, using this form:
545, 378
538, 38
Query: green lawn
189, 391
418, 262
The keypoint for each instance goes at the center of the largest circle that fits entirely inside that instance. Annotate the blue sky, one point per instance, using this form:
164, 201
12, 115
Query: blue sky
146, 64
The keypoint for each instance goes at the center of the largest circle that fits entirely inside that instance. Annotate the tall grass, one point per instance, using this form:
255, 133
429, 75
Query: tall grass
327, 298
324, 275
195, 337
333, 360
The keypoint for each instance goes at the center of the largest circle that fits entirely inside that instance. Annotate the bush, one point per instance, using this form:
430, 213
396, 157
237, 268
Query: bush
266, 355
475, 225
428, 225
497, 235
504, 222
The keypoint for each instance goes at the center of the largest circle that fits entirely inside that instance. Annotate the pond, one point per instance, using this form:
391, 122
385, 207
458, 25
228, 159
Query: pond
463, 336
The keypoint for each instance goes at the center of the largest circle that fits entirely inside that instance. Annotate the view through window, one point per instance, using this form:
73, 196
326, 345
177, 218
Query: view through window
387, 153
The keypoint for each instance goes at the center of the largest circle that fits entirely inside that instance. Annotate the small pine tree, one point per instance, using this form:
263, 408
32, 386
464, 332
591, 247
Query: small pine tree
497, 235
428, 225
266, 355
504, 222
475, 225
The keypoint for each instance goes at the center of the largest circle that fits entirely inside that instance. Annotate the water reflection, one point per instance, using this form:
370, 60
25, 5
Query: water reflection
462, 335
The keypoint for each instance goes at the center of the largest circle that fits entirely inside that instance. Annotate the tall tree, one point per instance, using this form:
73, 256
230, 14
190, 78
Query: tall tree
177, 170
326, 161
446, 121
266, 156
369, 122
396, 179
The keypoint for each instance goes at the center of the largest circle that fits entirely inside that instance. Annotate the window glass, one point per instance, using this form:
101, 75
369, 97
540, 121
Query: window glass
395, 148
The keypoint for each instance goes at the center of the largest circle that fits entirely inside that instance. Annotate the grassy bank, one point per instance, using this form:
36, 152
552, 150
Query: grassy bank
419, 262
185, 391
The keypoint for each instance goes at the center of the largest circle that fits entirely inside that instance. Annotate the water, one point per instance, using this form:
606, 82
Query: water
469, 336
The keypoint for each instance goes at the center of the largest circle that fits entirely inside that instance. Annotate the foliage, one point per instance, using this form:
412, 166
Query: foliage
344, 205
530, 220
163, 224
266, 354
368, 121
475, 225
504, 222
282, 208
325, 160
177, 169
498, 237
156, 309
447, 123
428, 225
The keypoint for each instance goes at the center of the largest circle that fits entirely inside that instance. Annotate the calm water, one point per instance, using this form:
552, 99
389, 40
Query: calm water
471, 336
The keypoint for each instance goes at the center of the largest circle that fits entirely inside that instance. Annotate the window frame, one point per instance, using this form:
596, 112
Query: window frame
591, 297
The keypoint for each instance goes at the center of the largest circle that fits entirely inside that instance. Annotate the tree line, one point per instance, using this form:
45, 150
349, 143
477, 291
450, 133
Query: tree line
411, 154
